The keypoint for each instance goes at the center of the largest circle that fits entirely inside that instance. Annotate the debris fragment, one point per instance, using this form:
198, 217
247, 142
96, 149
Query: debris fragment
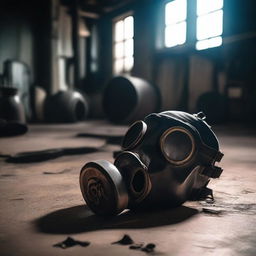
126, 240
49, 154
149, 248
136, 246
211, 211
70, 242
247, 191
209, 199
60, 172
7, 175
243, 207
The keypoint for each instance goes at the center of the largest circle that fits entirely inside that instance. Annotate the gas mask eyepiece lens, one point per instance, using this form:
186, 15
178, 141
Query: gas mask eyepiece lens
177, 145
134, 135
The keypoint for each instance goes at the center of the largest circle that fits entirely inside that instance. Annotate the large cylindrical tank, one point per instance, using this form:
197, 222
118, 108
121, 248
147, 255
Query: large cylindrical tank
11, 107
65, 107
128, 98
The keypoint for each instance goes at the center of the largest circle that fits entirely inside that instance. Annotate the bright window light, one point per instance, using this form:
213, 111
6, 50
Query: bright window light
175, 11
119, 50
128, 48
118, 66
128, 63
123, 45
177, 30
209, 23
119, 31
209, 43
175, 23
128, 27
206, 6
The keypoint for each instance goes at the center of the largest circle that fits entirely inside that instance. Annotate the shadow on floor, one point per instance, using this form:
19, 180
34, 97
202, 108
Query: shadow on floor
79, 219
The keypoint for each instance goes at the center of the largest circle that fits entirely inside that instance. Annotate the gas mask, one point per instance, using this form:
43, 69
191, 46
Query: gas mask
165, 160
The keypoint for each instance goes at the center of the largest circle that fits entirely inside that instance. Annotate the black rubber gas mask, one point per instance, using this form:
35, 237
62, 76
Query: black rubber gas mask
167, 159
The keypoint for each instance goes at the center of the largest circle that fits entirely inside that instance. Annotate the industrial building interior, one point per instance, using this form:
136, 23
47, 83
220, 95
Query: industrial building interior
79, 81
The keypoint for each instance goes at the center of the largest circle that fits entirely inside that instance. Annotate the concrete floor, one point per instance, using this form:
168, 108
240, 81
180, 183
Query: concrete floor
41, 203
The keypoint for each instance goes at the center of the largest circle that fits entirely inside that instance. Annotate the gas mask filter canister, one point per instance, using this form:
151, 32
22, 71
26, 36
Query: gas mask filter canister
166, 159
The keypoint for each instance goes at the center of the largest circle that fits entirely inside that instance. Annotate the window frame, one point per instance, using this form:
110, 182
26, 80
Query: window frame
219, 36
164, 26
114, 21
191, 31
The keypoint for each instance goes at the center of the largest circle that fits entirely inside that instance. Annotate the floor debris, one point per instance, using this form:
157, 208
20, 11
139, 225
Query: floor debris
70, 242
136, 246
211, 211
60, 172
126, 240
53, 209
149, 248
245, 191
8, 175
49, 154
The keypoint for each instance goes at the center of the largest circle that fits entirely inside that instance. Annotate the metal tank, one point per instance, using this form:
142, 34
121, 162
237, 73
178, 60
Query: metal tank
127, 98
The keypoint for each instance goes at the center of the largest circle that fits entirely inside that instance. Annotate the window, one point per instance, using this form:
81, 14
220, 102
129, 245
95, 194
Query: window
123, 45
175, 23
209, 23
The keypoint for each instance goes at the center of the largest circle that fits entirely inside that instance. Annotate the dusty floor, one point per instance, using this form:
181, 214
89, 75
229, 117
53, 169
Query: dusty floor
41, 203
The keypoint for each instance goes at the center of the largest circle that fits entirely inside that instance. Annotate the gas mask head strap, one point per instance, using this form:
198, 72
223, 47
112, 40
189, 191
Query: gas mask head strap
212, 171
209, 156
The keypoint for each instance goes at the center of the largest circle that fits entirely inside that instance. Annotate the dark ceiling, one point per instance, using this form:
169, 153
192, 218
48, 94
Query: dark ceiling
102, 6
